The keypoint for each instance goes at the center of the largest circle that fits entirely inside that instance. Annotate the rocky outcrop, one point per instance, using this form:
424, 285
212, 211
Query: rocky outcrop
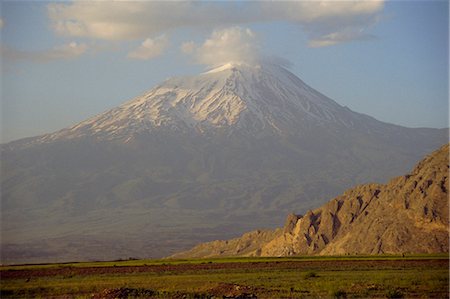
249, 244
410, 214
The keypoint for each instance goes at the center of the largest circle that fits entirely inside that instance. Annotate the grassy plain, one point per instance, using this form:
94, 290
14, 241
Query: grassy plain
424, 276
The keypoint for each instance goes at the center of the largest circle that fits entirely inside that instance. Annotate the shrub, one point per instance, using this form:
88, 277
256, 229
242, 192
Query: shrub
310, 274
339, 294
394, 294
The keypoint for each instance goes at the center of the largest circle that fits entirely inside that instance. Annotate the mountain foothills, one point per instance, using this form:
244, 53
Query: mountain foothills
194, 159
410, 214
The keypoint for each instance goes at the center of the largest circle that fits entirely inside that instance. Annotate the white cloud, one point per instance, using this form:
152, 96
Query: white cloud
130, 20
124, 20
317, 11
338, 37
66, 51
231, 45
150, 48
331, 22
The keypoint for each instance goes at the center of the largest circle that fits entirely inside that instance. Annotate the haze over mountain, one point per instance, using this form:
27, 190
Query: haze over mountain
410, 214
193, 159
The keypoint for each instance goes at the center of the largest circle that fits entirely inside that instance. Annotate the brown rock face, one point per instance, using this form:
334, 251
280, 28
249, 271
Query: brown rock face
410, 214
249, 244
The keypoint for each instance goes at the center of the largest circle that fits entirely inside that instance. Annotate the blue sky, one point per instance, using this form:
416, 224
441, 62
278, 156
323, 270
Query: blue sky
66, 61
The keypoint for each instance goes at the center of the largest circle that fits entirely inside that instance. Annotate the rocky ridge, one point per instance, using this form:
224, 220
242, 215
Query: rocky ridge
410, 214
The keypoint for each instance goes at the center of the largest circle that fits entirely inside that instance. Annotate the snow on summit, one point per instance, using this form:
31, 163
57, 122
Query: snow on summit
260, 96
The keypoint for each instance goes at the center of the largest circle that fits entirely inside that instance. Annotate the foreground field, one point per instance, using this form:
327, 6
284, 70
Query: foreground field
299, 277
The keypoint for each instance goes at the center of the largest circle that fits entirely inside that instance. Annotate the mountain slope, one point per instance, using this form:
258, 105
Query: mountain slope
192, 160
410, 214
236, 98
241, 97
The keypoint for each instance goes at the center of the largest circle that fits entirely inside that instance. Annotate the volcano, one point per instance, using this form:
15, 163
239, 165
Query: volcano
194, 159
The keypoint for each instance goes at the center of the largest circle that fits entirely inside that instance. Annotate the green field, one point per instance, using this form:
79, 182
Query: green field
425, 276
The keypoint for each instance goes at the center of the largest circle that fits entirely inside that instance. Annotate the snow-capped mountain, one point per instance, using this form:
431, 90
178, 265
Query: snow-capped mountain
193, 159
234, 96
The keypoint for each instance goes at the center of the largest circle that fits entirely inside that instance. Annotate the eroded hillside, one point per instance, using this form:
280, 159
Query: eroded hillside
410, 214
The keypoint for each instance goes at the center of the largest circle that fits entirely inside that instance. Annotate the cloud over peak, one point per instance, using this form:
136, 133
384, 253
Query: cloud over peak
233, 45
230, 45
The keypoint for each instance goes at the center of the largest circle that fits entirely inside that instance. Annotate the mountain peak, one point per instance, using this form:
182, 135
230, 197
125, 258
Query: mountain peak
251, 98
230, 66
252, 67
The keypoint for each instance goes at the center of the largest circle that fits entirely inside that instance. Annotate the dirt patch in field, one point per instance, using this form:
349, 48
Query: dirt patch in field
230, 290
345, 265
222, 290
124, 293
